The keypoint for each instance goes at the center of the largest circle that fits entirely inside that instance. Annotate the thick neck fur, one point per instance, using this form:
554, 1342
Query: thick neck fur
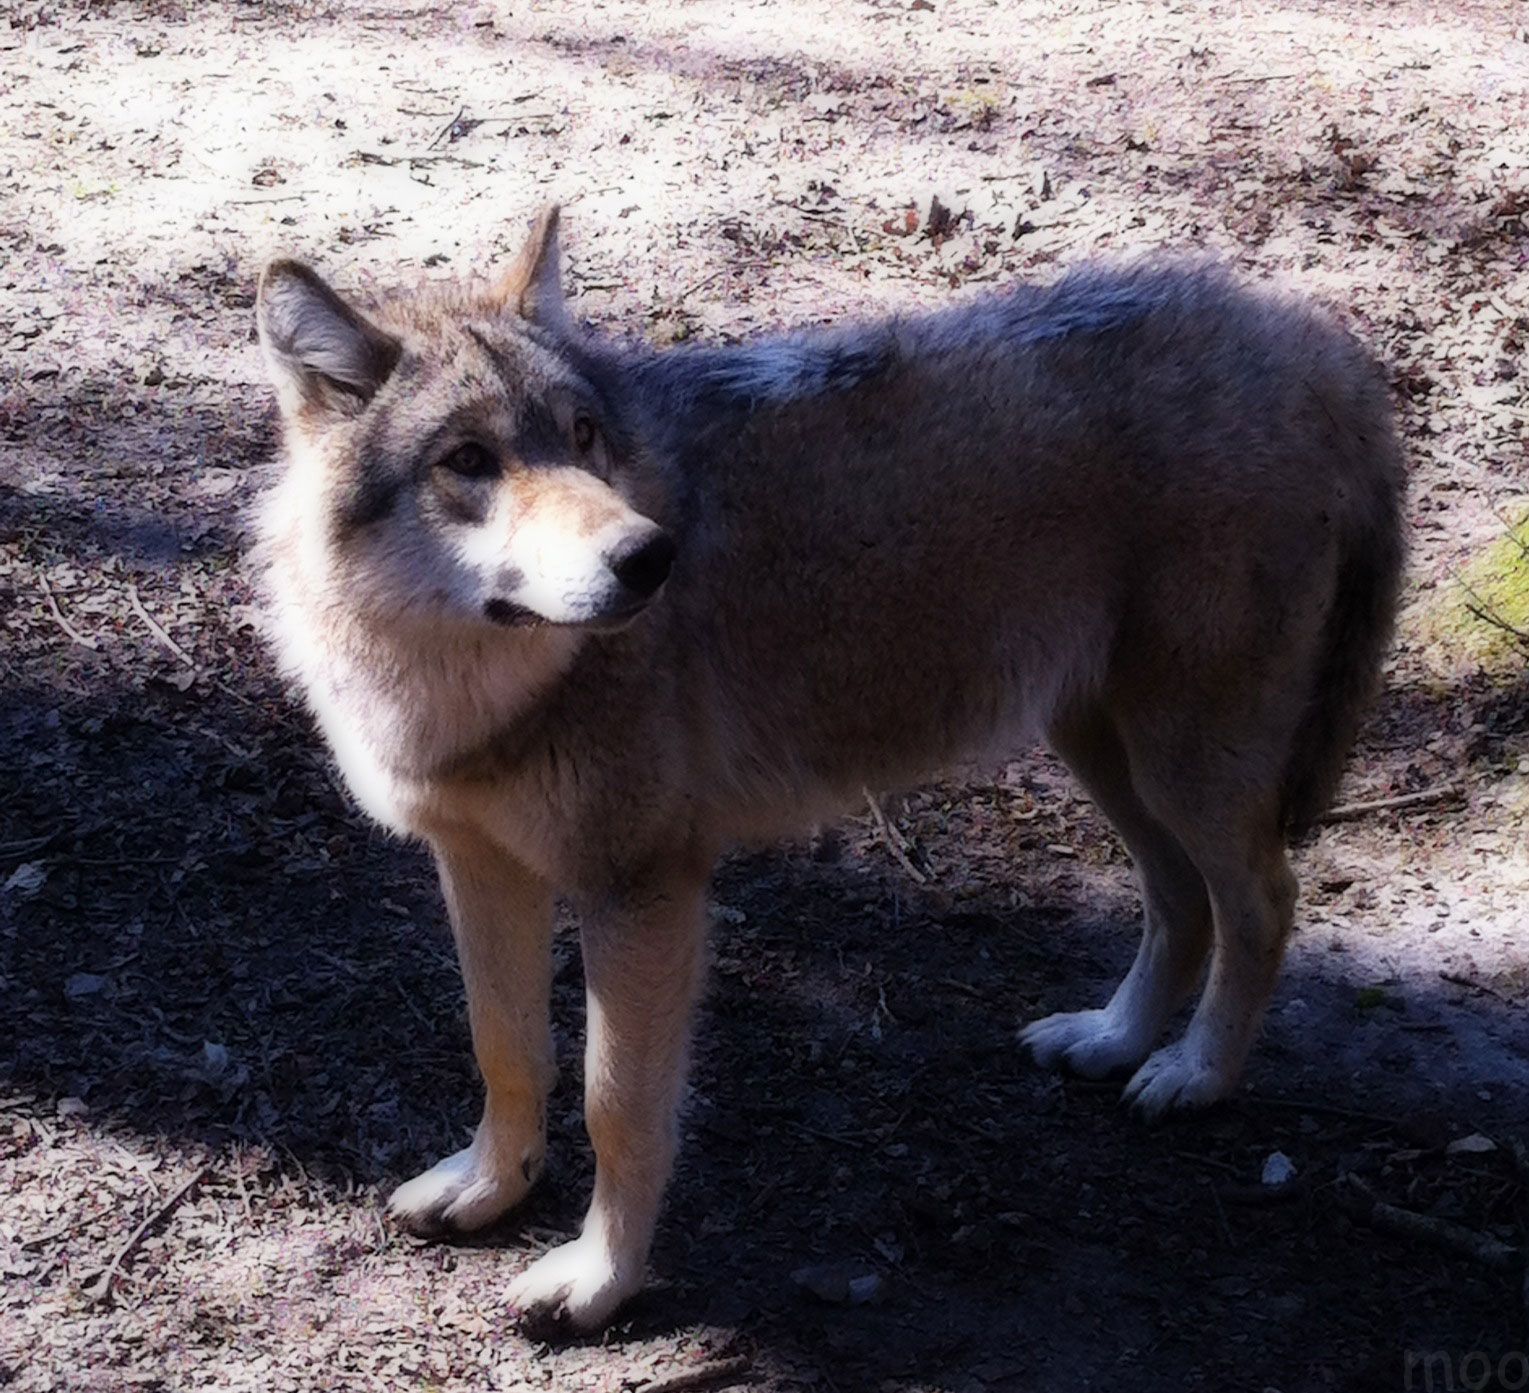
398, 698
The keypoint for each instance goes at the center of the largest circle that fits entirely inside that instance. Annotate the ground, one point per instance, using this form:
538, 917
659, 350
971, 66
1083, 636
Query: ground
230, 1019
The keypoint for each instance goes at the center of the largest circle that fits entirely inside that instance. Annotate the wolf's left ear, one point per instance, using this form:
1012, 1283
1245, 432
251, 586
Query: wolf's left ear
533, 286
321, 352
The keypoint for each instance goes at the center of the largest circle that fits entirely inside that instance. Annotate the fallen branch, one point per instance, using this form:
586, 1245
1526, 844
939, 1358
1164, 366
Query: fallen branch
1456, 980
445, 130
101, 1288
1347, 812
153, 626
1488, 616
698, 1377
58, 616
1359, 1200
893, 841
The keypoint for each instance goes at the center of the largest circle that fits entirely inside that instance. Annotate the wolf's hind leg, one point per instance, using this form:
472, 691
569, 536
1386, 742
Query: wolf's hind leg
1253, 894
1177, 917
642, 970
501, 917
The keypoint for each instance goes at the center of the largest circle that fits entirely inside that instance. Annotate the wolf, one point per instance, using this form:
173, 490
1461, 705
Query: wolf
581, 613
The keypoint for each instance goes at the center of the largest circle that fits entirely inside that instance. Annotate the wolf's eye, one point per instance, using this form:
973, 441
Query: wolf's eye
471, 461
583, 433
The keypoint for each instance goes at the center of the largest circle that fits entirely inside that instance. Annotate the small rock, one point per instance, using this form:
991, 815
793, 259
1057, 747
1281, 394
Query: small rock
1473, 1145
72, 1107
26, 880
839, 1283
84, 984
1278, 1169
865, 1288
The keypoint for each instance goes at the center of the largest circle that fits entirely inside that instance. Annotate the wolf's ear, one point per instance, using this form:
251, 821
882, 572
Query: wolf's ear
533, 286
321, 352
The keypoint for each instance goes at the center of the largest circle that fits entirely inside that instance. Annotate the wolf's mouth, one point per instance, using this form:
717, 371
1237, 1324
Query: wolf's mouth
511, 615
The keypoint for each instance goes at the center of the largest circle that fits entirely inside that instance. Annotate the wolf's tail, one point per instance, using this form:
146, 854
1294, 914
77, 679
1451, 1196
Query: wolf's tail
1359, 625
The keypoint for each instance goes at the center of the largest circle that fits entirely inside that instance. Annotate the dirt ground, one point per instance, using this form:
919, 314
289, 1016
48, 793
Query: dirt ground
230, 1017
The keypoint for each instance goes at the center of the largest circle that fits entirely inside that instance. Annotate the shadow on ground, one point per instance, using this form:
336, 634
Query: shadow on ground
208, 944
202, 941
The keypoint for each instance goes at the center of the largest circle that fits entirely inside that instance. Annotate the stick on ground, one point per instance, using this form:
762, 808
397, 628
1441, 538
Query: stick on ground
58, 616
101, 1288
893, 841
1348, 812
699, 1377
1357, 1198
153, 626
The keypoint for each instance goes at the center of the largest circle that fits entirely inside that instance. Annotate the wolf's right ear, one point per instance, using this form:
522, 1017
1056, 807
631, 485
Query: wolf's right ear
321, 353
533, 286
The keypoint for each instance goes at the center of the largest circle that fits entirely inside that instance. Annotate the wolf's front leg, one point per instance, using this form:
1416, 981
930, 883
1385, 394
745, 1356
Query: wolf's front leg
642, 970
501, 917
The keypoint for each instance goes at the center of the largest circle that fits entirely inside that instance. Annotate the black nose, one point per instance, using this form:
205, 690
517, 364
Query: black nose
643, 565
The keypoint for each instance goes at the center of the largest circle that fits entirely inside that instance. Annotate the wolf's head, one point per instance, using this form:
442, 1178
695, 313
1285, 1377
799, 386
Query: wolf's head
453, 457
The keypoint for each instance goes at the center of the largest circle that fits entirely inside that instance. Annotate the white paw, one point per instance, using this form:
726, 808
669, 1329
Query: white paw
1094, 1044
578, 1286
1178, 1076
459, 1194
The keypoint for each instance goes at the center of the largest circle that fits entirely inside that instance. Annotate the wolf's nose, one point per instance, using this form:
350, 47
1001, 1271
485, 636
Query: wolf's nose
643, 565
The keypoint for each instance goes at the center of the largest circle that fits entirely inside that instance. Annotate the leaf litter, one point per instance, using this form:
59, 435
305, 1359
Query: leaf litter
232, 1015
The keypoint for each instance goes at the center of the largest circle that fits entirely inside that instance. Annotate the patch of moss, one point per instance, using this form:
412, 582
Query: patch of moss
1473, 616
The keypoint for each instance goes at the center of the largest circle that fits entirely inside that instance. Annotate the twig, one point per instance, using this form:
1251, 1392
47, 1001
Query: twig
240, 1156
1359, 1199
1226, 1228
855, 1140
1321, 1109
223, 687
58, 616
1346, 812
160, 634
446, 130
418, 1015
1510, 528
964, 987
698, 1377
701, 284
1496, 621
1455, 979
39, 846
1208, 1161
893, 840
43, 1239
1482, 609
101, 1288
425, 161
